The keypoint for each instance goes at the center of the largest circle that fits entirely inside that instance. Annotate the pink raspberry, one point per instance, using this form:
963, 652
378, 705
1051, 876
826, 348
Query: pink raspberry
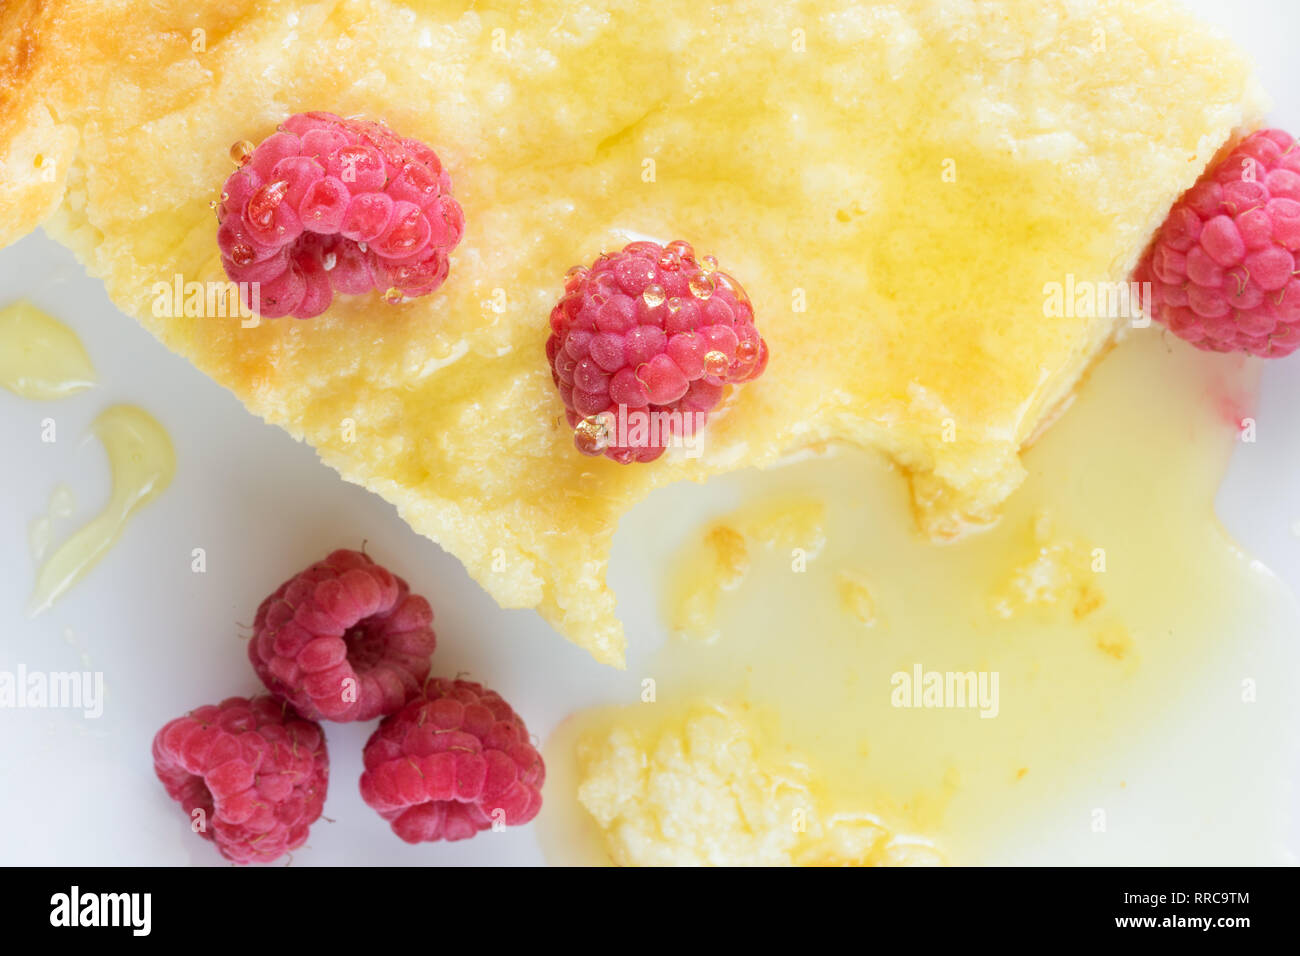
1223, 267
343, 640
451, 763
330, 205
251, 774
648, 330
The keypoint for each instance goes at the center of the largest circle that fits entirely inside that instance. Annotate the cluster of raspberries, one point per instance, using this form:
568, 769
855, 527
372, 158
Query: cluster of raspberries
1223, 267
647, 337
330, 205
345, 640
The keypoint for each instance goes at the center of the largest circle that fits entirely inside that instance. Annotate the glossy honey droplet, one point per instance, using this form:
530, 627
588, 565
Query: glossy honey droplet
241, 152
702, 285
263, 203
669, 261
724, 281
715, 363
591, 435
709, 264
681, 248
654, 295
674, 304
394, 295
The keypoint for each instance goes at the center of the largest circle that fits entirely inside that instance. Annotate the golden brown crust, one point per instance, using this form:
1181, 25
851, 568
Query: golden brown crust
35, 148
20, 25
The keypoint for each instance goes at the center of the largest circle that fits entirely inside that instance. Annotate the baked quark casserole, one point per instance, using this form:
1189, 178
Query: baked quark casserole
895, 184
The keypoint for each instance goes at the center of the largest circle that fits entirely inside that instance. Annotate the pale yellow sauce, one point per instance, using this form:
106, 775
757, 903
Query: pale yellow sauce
41, 530
40, 357
142, 463
1123, 729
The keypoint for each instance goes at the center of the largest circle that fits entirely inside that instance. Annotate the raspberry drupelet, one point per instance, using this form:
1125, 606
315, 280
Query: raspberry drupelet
251, 775
451, 763
329, 205
650, 329
1223, 266
343, 640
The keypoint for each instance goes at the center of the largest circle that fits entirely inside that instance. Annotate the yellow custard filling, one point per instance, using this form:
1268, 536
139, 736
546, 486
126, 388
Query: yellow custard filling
702, 788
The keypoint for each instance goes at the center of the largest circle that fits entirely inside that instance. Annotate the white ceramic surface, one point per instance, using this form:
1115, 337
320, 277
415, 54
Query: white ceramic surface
79, 791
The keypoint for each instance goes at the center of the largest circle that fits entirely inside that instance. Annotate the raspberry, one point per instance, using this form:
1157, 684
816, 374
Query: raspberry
451, 763
1223, 266
649, 330
330, 205
343, 640
255, 772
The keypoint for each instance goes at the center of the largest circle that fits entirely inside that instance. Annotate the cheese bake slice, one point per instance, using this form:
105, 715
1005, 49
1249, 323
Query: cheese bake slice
895, 183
